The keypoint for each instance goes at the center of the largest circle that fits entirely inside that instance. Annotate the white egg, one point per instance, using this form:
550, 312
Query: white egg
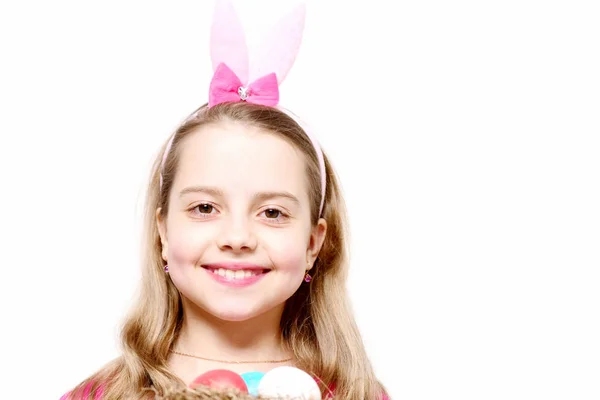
289, 382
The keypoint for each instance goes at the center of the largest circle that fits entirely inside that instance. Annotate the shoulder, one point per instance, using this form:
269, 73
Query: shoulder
84, 394
331, 393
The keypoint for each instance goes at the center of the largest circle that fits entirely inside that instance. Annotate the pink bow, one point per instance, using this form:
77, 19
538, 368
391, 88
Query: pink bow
225, 86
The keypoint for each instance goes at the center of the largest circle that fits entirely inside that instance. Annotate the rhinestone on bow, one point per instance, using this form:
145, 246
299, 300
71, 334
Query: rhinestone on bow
243, 92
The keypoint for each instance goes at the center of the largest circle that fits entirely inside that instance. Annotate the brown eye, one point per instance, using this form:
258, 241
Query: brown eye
204, 208
272, 213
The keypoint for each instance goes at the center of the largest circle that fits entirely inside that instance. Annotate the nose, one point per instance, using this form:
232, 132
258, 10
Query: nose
237, 235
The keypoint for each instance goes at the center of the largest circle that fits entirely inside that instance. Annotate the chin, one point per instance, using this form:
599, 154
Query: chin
240, 312
233, 316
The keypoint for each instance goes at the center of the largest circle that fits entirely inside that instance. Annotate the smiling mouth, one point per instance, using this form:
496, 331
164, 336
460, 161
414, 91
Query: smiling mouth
237, 274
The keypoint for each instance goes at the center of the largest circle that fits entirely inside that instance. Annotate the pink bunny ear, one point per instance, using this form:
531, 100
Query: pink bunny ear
228, 42
279, 49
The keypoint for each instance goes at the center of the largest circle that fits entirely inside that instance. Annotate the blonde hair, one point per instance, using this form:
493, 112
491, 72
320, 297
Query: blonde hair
317, 323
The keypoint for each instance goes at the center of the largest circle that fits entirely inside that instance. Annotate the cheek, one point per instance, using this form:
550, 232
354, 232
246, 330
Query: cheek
288, 252
187, 242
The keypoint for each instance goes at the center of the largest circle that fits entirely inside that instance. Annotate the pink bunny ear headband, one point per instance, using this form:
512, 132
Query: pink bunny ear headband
236, 79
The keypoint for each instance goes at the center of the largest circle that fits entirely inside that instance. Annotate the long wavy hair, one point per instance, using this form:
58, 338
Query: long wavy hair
317, 323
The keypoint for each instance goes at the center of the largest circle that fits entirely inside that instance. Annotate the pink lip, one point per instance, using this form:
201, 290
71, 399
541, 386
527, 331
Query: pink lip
234, 266
242, 282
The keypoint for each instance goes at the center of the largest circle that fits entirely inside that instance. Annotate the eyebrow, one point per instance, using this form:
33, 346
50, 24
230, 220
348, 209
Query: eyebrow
257, 197
201, 189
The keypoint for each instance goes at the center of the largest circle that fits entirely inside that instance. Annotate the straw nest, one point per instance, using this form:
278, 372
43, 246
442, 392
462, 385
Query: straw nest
204, 393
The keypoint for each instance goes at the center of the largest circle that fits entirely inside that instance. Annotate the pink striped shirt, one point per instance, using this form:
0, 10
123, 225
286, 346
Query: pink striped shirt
98, 396
86, 392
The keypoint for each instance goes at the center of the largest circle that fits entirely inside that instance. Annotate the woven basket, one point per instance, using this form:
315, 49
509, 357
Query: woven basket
201, 393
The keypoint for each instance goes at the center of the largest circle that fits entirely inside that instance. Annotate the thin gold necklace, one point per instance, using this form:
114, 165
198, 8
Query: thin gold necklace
232, 362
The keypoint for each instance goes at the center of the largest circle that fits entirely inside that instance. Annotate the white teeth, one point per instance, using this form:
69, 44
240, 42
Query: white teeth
239, 274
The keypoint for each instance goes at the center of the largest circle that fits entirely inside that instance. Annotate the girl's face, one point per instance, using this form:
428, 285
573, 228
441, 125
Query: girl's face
238, 238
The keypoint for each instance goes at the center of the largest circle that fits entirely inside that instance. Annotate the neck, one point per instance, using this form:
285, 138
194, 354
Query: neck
256, 339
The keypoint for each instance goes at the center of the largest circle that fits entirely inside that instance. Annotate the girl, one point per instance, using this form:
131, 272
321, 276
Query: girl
246, 260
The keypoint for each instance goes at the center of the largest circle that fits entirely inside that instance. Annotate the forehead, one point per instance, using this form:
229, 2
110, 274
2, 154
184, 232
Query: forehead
240, 158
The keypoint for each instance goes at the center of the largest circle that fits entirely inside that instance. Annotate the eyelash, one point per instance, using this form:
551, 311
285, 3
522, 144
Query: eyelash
282, 215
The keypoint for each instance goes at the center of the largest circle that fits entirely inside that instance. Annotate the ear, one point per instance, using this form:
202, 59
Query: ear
228, 41
317, 237
162, 231
280, 48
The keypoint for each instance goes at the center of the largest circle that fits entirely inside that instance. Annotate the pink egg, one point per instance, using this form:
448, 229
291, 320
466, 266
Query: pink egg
220, 379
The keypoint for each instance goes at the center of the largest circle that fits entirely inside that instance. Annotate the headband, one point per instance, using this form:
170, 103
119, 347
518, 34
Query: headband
235, 79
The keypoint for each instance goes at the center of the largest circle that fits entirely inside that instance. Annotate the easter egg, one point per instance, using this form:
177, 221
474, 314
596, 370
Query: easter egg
252, 380
220, 379
289, 382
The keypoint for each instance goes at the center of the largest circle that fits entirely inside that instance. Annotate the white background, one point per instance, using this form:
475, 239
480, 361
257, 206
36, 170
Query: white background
465, 134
